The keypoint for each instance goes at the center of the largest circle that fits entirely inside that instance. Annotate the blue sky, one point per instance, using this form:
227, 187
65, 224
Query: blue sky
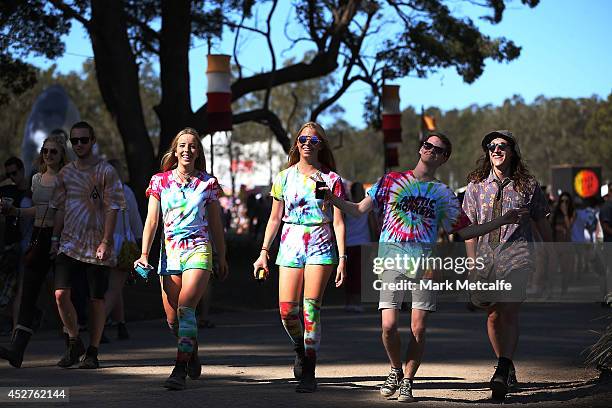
566, 52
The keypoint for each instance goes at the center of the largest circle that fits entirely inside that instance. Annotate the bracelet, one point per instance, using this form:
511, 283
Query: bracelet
105, 241
264, 249
144, 253
343, 256
54, 238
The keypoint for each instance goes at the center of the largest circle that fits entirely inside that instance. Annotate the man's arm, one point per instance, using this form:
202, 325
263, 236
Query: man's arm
105, 247
475, 230
353, 209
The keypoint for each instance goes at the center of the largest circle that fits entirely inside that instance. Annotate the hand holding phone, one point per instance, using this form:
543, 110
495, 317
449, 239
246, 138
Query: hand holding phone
143, 270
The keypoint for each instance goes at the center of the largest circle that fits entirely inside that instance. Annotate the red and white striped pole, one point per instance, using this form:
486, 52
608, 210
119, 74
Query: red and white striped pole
219, 98
391, 124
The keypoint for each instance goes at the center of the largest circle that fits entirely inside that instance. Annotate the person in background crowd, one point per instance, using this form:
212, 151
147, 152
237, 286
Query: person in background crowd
562, 220
359, 231
37, 264
129, 227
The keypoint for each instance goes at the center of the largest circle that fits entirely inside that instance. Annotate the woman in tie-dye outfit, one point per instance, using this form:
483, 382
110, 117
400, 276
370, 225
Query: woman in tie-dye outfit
307, 255
188, 199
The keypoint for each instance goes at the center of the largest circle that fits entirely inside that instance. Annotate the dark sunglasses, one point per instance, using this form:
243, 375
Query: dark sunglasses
12, 173
82, 140
493, 146
436, 149
52, 152
314, 140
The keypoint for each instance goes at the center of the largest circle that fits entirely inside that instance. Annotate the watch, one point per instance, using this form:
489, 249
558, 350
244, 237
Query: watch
343, 256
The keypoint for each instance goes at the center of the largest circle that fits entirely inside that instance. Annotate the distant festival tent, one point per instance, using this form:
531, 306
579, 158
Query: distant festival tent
53, 109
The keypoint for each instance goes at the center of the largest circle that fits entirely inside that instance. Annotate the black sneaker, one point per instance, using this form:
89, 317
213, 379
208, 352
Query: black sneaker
177, 379
392, 383
405, 391
298, 364
499, 383
73, 352
122, 332
512, 381
90, 361
194, 365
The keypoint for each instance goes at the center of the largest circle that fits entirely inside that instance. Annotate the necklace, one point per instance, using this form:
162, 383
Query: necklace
304, 174
185, 177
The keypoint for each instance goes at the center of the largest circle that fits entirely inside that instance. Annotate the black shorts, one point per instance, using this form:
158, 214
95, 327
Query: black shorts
97, 275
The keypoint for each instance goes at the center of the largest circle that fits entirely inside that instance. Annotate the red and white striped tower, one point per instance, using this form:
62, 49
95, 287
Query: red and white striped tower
391, 124
219, 93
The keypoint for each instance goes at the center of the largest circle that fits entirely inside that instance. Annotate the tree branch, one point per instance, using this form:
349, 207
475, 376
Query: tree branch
271, 48
268, 118
69, 11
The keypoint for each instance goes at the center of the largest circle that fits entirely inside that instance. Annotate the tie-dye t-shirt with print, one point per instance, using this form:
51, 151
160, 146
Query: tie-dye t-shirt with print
183, 207
412, 210
298, 193
85, 196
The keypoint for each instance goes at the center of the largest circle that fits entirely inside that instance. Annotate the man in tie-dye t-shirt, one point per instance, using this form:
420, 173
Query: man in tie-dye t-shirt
413, 205
87, 197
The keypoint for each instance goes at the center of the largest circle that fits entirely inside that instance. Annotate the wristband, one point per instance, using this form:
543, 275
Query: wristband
264, 249
55, 238
343, 256
144, 253
105, 241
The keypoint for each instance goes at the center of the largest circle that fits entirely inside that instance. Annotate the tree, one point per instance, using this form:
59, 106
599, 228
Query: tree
419, 36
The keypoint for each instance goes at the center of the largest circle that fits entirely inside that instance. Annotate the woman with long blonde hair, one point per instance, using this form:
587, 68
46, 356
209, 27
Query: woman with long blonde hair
307, 256
37, 262
187, 198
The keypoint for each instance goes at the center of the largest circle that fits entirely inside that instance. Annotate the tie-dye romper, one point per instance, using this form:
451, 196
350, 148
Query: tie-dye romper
307, 236
412, 211
183, 206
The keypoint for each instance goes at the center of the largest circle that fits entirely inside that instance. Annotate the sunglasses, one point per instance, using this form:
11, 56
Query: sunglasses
493, 146
436, 149
82, 140
52, 152
314, 140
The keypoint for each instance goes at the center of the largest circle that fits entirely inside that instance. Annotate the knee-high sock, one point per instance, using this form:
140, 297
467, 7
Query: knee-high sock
187, 333
312, 326
290, 316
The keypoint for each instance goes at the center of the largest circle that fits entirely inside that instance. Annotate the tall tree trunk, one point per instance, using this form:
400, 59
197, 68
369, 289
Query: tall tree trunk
117, 74
174, 110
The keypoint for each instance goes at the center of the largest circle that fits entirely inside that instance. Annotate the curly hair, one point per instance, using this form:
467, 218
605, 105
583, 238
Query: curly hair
519, 174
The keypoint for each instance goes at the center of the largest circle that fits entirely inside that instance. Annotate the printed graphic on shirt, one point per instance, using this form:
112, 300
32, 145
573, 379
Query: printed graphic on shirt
413, 210
86, 195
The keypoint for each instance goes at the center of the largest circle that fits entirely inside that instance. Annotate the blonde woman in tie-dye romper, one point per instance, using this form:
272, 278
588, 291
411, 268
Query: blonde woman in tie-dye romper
187, 198
307, 255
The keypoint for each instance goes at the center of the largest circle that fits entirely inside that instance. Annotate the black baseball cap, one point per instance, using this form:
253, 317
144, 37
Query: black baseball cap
504, 134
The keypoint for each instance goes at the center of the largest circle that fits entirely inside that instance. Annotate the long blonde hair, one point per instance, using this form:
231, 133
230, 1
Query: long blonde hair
325, 155
60, 141
169, 160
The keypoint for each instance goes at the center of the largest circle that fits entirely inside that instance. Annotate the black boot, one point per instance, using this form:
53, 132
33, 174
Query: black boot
194, 366
499, 381
73, 352
308, 382
14, 353
298, 364
176, 381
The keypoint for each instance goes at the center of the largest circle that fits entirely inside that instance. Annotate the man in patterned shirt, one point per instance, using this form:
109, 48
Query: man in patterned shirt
413, 204
87, 198
499, 183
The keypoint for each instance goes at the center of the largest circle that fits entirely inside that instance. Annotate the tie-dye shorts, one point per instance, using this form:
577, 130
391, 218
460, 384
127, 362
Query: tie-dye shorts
307, 245
175, 262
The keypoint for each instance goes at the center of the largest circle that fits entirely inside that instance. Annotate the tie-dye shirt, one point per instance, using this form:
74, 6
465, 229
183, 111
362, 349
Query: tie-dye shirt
85, 196
183, 207
412, 210
298, 193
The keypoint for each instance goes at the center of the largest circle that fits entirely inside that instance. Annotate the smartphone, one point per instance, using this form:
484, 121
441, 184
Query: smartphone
320, 194
143, 270
260, 275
